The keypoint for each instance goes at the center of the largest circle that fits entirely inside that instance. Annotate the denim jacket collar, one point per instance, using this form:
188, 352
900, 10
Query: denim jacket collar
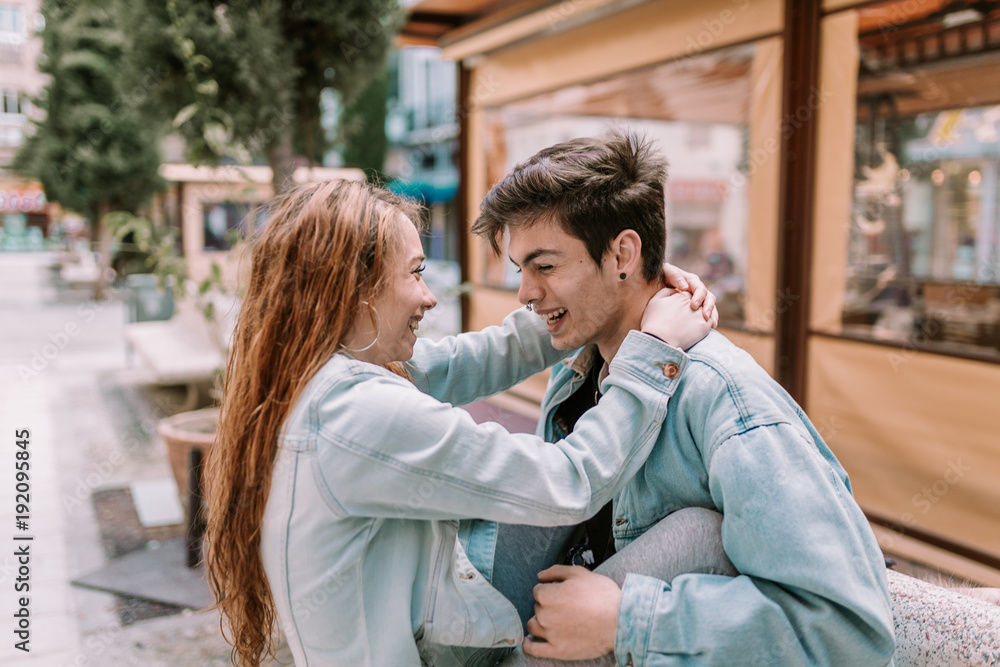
581, 363
582, 360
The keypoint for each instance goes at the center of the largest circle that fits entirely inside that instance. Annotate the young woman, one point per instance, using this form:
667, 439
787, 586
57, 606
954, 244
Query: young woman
338, 475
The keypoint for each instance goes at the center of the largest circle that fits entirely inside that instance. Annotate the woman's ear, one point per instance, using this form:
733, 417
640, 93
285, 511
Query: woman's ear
626, 254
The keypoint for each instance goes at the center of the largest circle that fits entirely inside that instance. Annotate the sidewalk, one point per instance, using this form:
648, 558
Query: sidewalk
27, 405
64, 378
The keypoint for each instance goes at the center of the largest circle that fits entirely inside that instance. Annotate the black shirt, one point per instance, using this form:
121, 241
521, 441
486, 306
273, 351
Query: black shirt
598, 538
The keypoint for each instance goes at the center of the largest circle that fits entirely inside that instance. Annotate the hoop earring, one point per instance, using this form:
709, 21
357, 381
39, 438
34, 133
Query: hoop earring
378, 331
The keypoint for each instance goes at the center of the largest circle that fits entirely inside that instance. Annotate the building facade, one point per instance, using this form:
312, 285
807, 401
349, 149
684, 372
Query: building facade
24, 211
422, 131
211, 207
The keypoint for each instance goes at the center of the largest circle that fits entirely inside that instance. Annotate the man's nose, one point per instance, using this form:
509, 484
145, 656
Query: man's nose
528, 291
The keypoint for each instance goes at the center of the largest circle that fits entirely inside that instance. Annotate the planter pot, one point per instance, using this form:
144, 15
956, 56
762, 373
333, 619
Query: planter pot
184, 432
146, 301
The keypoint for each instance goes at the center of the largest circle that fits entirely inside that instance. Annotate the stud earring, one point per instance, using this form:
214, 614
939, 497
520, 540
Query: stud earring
622, 276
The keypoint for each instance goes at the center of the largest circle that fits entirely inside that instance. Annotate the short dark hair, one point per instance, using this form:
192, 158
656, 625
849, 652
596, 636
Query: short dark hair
594, 188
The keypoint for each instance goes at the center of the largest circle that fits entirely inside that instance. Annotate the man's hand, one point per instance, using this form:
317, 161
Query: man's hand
684, 281
669, 317
576, 614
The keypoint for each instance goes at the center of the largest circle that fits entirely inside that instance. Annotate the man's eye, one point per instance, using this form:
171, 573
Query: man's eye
545, 267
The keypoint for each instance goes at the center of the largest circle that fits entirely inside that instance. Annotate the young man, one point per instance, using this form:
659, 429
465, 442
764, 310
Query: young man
586, 228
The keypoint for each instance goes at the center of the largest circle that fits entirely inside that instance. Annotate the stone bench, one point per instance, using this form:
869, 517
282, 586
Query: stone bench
940, 626
186, 349
175, 355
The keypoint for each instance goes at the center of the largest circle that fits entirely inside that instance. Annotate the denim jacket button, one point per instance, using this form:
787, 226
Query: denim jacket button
619, 522
467, 575
671, 370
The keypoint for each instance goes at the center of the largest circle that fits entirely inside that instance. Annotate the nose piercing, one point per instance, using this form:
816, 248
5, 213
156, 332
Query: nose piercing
528, 307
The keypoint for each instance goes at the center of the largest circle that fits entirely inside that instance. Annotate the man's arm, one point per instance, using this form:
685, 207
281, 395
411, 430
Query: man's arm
812, 592
813, 588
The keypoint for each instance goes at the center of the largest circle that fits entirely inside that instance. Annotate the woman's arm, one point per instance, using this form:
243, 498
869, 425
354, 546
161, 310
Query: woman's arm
471, 366
389, 451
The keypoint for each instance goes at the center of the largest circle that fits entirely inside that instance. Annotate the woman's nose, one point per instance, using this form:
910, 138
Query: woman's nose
429, 299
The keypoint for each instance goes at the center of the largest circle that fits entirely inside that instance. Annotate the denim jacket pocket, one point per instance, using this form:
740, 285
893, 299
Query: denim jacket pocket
463, 608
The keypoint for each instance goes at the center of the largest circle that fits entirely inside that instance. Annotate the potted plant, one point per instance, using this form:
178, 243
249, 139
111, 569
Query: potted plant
147, 262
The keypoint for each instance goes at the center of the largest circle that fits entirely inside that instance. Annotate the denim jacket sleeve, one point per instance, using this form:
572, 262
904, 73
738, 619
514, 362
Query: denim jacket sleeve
811, 592
388, 450
470, 366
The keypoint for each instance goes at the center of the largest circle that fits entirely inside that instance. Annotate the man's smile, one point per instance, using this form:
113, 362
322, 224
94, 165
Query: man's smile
552, 316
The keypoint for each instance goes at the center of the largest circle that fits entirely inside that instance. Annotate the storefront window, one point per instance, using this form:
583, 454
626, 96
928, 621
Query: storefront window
697, 110
225, 223
924, 242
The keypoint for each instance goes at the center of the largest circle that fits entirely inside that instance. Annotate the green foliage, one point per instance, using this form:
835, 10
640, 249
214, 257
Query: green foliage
91, 152
242, 79
362, 129
148, 247
151, 247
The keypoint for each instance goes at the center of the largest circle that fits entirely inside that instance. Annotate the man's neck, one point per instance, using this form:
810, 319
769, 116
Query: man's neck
634, 302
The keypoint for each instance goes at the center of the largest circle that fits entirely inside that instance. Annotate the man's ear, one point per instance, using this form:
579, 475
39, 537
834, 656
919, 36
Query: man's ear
626, 253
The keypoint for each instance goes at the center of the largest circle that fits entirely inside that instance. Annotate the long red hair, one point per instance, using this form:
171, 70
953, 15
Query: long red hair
322, 254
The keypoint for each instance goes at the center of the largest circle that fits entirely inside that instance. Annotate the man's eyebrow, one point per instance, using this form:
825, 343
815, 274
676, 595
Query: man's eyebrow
535, 254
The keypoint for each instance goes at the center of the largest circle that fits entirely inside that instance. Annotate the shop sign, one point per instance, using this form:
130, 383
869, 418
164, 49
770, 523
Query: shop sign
23, 200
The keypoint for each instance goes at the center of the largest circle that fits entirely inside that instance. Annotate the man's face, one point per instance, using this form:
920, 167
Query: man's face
574, 296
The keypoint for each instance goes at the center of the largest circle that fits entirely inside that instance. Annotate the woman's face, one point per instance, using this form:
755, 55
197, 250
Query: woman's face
400, 306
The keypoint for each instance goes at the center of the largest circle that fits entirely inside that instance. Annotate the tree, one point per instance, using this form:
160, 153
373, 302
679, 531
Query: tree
361, 129
91, 152
243, 78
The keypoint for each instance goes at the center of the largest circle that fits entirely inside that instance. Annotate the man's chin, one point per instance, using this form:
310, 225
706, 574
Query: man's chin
563, 342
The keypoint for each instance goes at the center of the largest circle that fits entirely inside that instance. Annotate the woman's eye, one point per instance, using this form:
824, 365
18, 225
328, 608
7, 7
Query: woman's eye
420, 269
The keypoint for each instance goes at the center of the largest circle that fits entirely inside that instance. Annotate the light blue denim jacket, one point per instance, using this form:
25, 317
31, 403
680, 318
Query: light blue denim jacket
359, 539
813, 589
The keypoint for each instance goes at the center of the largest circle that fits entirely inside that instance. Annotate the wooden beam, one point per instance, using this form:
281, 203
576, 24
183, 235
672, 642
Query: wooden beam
462, 203
940, 558
795, 212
